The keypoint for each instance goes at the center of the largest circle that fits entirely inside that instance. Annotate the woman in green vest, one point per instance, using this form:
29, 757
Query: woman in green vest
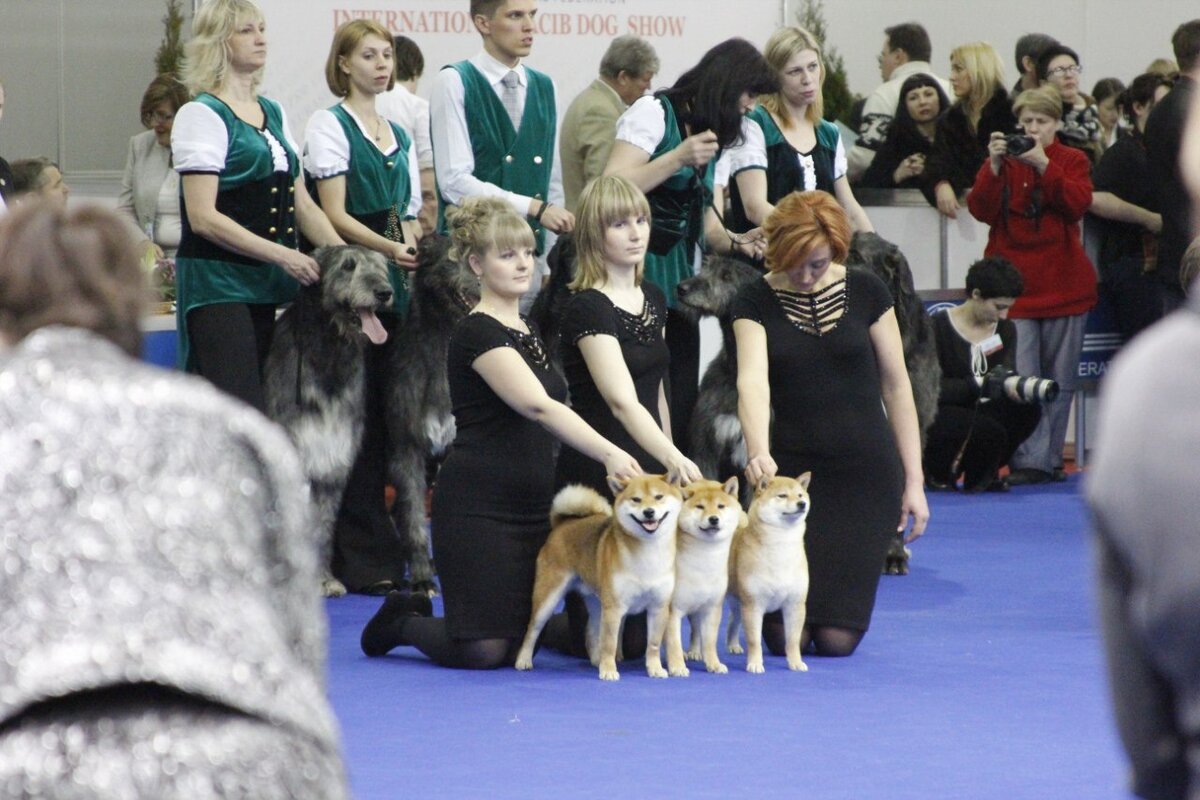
788, 146
667, 145
367, 180
243, 200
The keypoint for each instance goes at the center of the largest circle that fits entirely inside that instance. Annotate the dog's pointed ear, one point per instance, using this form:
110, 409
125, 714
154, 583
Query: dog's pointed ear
687, 492
804, 479
617, 484
731, 486
673, 478
763, 483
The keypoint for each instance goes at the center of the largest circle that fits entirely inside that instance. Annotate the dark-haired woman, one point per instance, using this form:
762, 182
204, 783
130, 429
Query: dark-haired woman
1123, 216
788, 146
667, 145
1107, 96
900, 161
973, 434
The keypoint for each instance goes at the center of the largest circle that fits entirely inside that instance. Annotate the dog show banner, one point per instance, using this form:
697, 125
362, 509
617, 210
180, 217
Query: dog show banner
570, 39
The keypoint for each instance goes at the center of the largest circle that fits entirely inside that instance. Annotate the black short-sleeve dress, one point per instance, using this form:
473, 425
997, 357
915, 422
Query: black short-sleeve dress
829, 418
640, 336
491, 504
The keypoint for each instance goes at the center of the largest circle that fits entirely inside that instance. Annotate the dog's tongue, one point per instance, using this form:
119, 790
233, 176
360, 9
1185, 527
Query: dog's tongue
371, 326
650, 525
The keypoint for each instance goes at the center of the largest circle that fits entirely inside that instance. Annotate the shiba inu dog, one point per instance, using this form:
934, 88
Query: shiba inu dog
710, 515
768, 569
622, 559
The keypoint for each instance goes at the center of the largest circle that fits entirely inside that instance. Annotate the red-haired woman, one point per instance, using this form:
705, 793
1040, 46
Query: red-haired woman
818, 345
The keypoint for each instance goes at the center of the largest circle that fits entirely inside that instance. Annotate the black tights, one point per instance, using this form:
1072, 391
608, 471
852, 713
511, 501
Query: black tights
567, 632
826, 640
428, 634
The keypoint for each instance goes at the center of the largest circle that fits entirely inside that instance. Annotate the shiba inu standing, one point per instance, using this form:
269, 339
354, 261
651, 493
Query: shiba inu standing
710, 515
621, 557
768, 569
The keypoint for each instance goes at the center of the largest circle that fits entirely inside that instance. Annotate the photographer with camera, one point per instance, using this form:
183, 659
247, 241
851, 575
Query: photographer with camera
984, 411
1034, 201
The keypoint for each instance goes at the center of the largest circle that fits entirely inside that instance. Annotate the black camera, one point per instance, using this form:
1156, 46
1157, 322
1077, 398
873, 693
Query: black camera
1019, 143
1001, 382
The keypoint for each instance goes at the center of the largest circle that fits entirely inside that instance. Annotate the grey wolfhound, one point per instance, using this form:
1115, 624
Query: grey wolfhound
420, 422
315, 374
718, 446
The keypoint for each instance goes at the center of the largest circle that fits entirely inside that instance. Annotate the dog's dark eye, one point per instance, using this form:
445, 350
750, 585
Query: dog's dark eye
720, 506
782, 496
636, 499
658, 497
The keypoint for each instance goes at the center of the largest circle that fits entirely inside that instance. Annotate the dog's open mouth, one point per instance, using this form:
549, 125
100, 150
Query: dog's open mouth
711, 530
371, 326
650, 525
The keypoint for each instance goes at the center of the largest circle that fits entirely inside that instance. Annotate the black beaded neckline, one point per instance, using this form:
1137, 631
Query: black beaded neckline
815, 313
530, 344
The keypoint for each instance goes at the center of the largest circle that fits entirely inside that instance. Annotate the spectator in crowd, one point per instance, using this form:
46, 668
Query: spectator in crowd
243, 201
906, 52
1033, 202
162, 633
1121, 220
1028, 48
402, 105
900, 161
6, 176
39, 177
1059, 66
506, 147
960, 145
590, 124
667, 145
1167, 67
1164, 145
1105, 94
365, 171
149, 198
977, 428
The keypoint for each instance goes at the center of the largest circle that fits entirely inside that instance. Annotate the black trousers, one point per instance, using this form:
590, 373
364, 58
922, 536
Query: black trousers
683, 379
229, 343
994, 432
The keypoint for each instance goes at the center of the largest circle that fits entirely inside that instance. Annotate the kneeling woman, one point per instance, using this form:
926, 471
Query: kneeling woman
492, 500
973, 434
819, 345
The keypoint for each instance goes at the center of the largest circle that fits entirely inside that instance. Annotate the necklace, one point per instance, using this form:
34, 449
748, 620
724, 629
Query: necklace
378, 127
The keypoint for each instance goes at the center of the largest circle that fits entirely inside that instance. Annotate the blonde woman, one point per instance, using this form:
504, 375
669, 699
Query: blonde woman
492, 498
787, 145
244, 203
960, 145
367, 181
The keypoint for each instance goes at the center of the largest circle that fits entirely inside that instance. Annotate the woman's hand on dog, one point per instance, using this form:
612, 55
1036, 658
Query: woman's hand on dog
682, 469
760, 468
301, 267
620, 465
913, 504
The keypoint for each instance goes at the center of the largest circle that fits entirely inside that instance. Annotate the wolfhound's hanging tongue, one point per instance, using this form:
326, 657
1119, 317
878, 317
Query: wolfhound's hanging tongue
371, 326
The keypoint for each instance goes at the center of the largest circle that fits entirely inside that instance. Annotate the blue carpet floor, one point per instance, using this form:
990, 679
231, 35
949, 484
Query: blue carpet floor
981, 677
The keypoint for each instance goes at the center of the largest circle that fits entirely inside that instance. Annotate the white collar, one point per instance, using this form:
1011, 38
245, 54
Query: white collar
495, 70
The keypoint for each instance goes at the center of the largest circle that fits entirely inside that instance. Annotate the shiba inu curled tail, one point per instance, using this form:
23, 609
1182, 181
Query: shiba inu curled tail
620, 557
768, 569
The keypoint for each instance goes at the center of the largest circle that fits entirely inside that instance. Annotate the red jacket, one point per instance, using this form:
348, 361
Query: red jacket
1040, 232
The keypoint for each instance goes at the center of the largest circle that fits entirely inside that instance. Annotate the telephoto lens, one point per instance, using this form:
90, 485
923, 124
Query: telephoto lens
1031, 390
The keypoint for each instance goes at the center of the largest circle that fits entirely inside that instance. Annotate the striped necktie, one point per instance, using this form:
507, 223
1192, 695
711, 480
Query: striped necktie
510, 99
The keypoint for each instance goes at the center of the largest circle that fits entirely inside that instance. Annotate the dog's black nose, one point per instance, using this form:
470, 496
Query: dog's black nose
383, 296
648, 513
714, 519
682, 289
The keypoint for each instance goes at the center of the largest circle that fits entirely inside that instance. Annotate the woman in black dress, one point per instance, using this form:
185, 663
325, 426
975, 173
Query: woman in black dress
492, 500
818, 344
613, 351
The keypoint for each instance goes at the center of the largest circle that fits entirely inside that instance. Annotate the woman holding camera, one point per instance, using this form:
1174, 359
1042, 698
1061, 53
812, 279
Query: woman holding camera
980, 421
1034, 202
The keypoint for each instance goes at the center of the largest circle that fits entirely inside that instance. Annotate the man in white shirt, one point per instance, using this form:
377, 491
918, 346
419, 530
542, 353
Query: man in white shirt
507, 146
403, 106
906, 51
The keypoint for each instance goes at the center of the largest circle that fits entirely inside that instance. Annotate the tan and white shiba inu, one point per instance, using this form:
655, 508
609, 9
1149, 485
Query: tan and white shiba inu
711, 514
768, 569
622, 558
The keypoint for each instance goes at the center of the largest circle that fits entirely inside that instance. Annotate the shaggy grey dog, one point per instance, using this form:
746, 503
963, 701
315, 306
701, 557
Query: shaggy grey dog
314, 378
420, 422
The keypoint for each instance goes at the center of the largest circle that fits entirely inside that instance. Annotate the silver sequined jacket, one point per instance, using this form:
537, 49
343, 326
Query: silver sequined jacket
152, 530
